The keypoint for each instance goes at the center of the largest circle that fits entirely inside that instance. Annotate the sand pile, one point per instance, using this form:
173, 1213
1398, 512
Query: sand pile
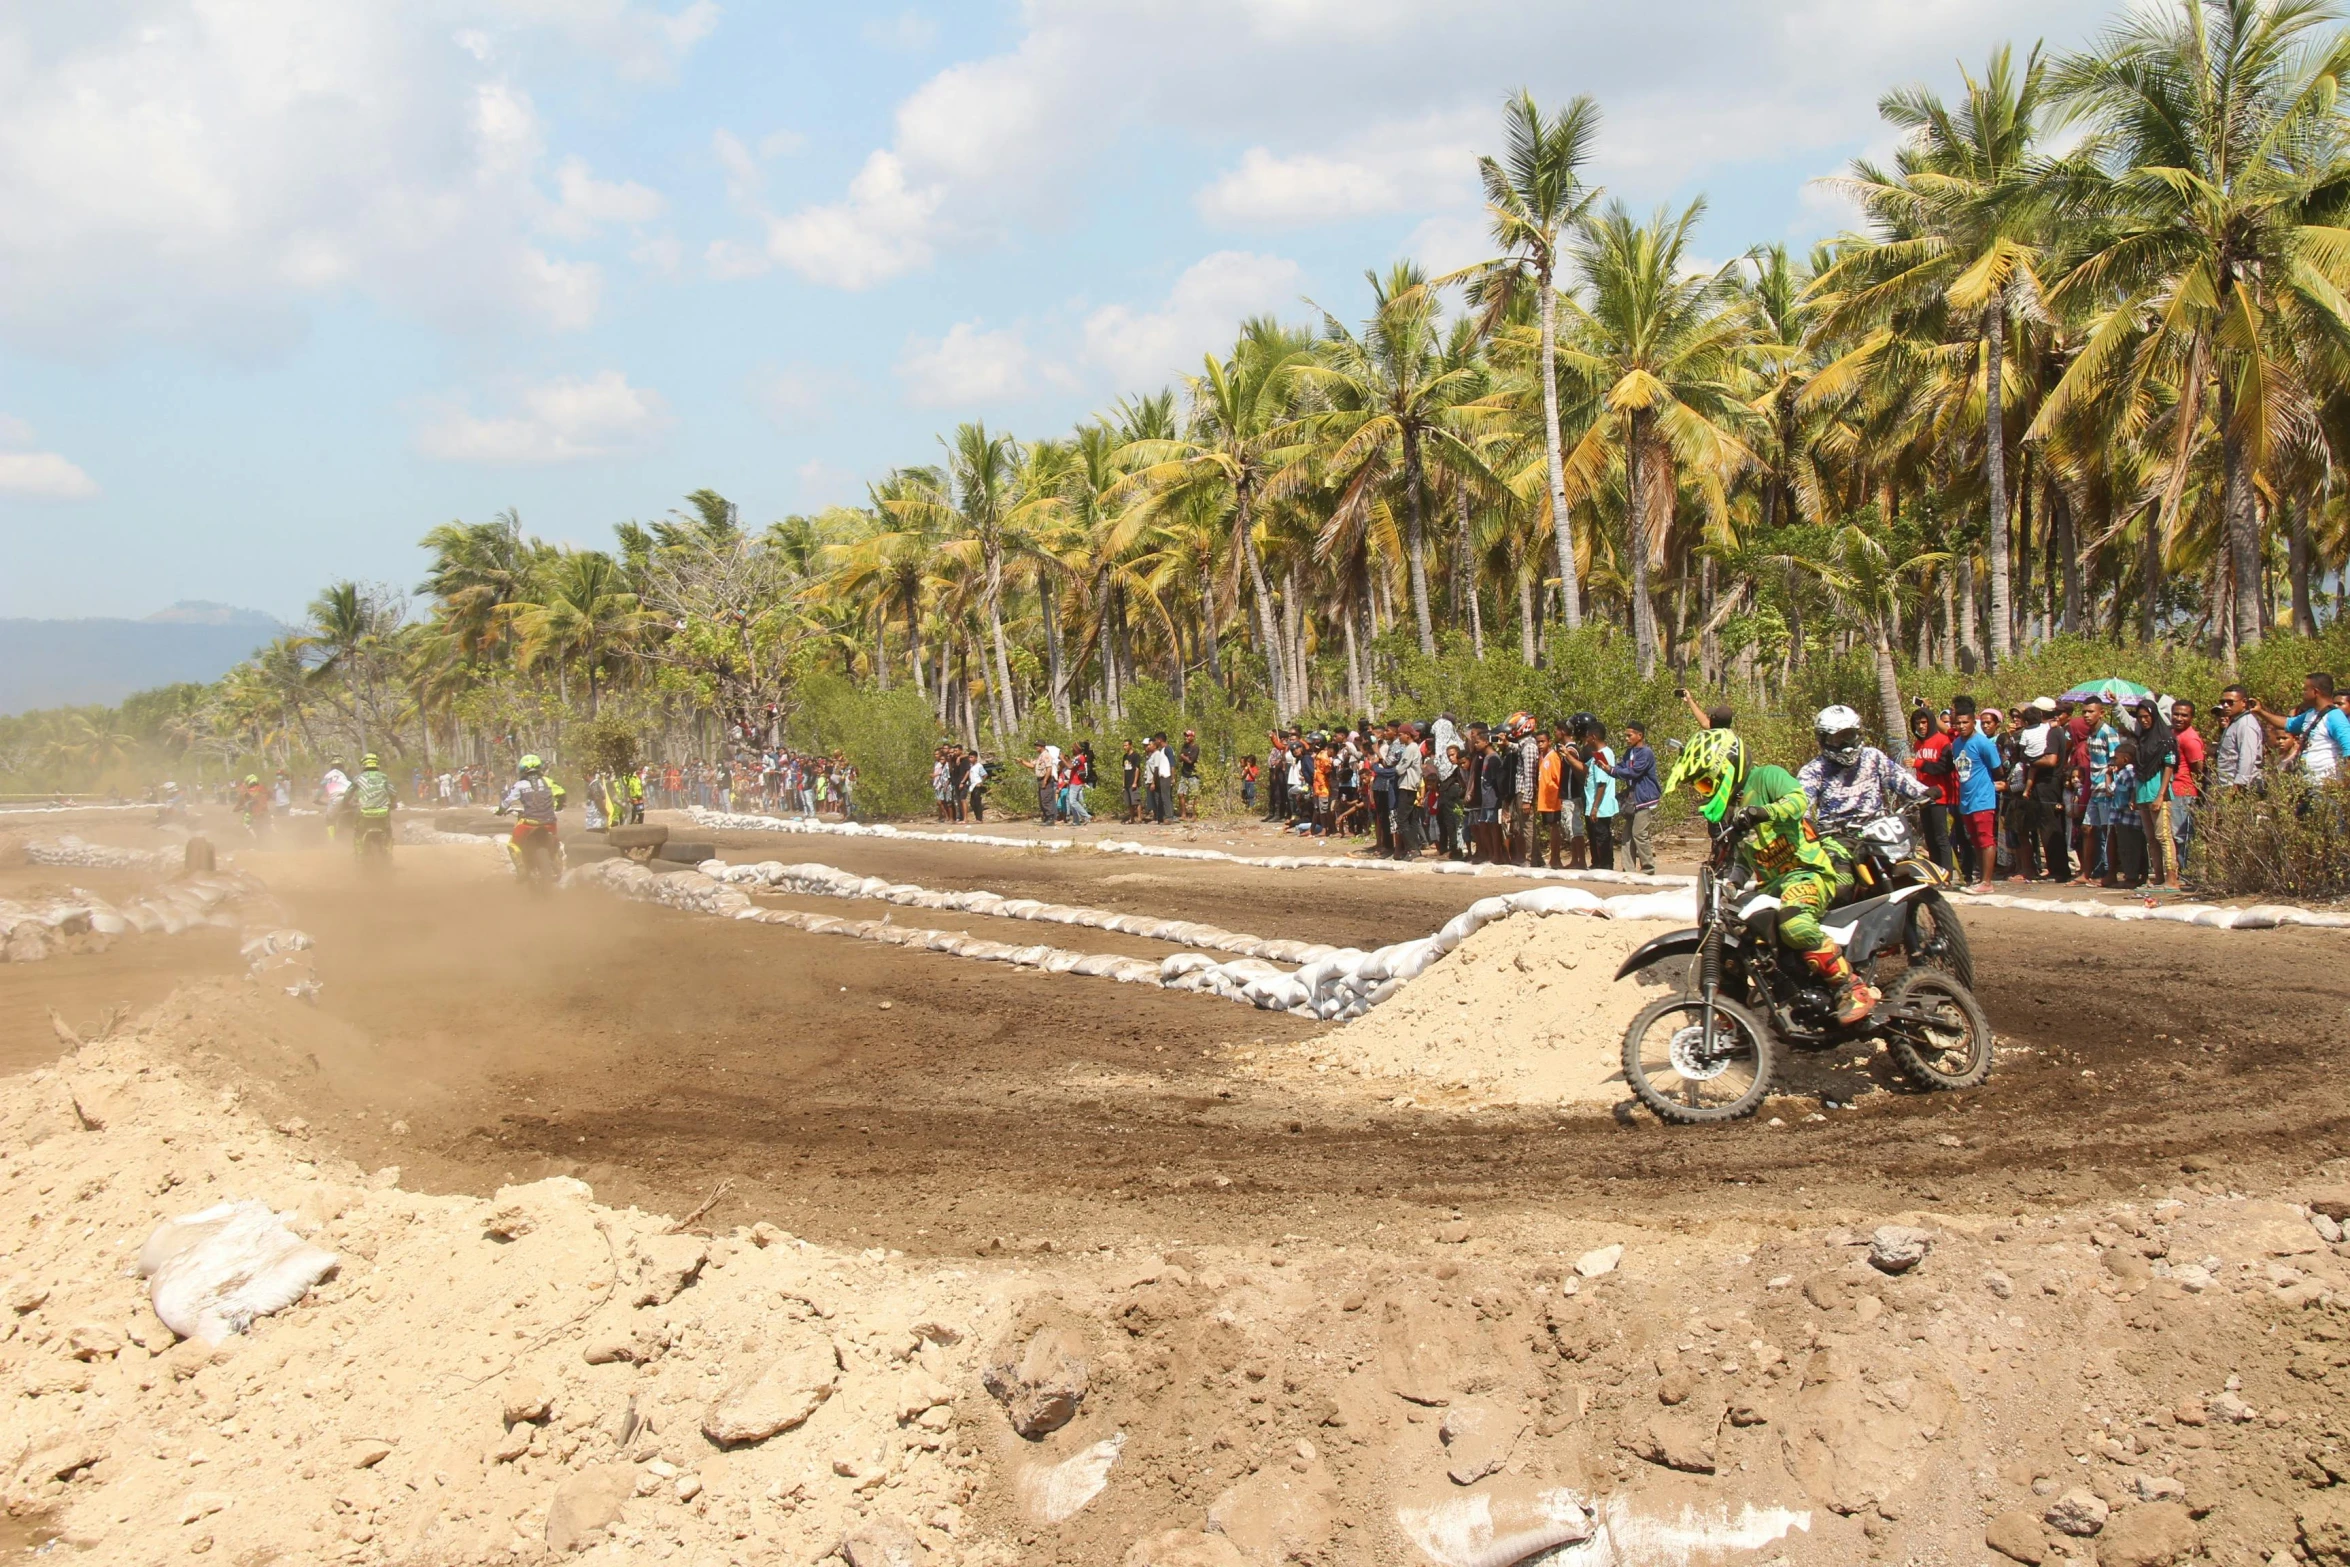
1527, 1010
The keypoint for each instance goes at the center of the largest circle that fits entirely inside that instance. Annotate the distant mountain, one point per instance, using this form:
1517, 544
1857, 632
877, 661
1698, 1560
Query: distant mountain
67, 663
203, 612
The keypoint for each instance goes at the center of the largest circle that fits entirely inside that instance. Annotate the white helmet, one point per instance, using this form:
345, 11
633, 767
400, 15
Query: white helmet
1838, 731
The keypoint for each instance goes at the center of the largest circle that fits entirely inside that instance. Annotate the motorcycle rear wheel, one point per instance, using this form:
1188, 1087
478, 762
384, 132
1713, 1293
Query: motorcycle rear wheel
1738, 1087
1954, 1048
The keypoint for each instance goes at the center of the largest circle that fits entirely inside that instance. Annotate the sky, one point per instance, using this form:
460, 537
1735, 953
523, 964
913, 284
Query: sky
284, 283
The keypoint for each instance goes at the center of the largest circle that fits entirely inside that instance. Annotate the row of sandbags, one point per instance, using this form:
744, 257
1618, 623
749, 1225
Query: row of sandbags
703, 816
1330, 983
825, 881
70, 850
32, 931
2259, 916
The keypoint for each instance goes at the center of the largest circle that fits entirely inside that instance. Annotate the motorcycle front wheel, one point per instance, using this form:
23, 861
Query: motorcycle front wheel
1936, 939
1684, 1078
1936, 1030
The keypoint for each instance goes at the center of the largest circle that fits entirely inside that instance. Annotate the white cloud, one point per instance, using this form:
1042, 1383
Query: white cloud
1450, 241
556, 421
39, 475
906, 30
44, 476
792, 395
782, 144
658, 253
969, 365
1210, 299
211, 173
1342, 109
883, 229
824, 484
586, 203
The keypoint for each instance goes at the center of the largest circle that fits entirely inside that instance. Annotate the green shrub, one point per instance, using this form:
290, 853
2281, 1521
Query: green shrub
888, 736
2286, 839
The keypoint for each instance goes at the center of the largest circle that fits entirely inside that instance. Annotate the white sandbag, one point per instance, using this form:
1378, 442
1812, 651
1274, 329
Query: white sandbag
1679, 905
211, 1273
1486, 910
1458, 929
1408, 960
1555, 900
1184, 963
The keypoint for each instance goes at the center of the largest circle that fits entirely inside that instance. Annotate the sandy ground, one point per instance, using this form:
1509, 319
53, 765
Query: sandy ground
1287, 1289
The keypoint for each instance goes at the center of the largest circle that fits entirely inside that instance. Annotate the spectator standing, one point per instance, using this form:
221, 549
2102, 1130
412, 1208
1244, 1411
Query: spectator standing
975, 786
1409, 781
1452, 795
2157, 757
2318, 733
2186, 778
1566, 745
1047, 768
1642, 790
1600, 807
2102, 742
1382, 770
2241, 742
1929, 749
2127, 851
1248, 783
1158, 778
1187, 777
1546, 804
1526, 754
2042, 745
1130, 780
1974, 761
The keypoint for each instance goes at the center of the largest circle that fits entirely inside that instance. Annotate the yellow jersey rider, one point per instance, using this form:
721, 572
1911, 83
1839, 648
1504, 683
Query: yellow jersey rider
1781, 848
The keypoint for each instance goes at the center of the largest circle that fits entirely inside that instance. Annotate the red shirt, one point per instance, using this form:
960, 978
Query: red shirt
2182, 783
1934, 748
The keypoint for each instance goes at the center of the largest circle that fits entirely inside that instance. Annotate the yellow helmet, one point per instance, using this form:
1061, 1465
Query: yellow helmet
1713, 764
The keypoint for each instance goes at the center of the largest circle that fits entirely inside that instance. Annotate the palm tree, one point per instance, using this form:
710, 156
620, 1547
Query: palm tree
1665, 343
976, 497
1242, 429
585, 611
1958, 226
2212, 179
479, 572
1396, 406
1534, 199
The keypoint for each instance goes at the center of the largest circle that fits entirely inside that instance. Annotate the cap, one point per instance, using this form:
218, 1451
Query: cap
2043, 704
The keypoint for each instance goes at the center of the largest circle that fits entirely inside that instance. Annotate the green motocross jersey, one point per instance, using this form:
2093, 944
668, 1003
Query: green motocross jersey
1787, 841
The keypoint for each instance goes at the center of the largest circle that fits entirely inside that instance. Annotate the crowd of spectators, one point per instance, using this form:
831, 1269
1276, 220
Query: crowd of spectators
2105, 791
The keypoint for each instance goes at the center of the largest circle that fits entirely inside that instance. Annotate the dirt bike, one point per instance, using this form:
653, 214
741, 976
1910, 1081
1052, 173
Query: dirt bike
1886, 856
371, 843
1710, 1053
538, 856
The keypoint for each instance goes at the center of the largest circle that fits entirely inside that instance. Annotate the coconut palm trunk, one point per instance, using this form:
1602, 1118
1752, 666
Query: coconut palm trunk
1269, 625
1995, 478
1554, 451
1000, 679
2242, 515
1416, 542
1636, 527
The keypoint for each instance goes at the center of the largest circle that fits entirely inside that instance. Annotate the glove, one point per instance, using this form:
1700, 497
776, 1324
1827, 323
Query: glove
1748, 819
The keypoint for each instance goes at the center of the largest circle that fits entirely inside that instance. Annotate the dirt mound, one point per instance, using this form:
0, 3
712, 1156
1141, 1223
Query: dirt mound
1528, 1010
507, 1379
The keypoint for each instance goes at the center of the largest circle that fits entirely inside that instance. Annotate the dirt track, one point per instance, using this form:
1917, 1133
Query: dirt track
862, 1094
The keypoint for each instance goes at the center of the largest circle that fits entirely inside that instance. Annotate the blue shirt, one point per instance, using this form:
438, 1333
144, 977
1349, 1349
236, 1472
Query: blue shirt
1976, 761
1638, 770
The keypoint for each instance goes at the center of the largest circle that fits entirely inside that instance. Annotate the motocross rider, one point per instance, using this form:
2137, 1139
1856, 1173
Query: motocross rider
535, 798
373, 798
1782, 850
333, 785
1851, 781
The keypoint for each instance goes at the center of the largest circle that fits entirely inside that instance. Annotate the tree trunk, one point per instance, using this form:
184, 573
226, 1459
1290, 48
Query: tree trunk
2297, 568
1526, 614
1207, 622
2242, 521
914, 648
881, 651
2020, 554
1555, 453
1293, 618
1354, 668
1000, 679
1970, 642
1889, 691
1056, 675
2149, 574
1636, 527
1995, 475
2068, 561
1476, 617
1285, 704
1709, 643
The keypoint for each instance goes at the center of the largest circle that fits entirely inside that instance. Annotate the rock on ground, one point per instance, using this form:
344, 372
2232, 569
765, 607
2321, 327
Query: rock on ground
1040, 1381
